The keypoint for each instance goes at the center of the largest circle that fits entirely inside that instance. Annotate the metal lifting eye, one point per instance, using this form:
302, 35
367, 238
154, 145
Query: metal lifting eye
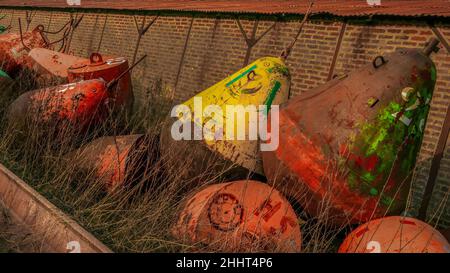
407, 93
378, 62
96, 58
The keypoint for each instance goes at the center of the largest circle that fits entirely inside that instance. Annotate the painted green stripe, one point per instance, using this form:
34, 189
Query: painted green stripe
272, 94
3, 74
241, 75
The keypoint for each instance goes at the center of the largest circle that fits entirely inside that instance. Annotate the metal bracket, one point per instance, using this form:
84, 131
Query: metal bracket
29, 18
141, 30
252, 40
440, 36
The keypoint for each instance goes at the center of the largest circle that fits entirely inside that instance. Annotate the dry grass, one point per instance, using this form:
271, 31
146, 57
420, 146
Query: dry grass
133, 219
137, 218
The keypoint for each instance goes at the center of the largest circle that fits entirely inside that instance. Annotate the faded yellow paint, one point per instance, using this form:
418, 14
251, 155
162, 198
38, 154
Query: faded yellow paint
264, 82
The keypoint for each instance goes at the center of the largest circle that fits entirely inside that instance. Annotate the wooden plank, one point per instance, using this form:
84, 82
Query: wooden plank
59, 232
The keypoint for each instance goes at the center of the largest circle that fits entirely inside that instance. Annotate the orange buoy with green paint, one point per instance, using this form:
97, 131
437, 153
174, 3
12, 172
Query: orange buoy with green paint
348, 148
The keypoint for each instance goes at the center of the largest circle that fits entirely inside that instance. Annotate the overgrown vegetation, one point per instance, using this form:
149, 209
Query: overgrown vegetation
136, 218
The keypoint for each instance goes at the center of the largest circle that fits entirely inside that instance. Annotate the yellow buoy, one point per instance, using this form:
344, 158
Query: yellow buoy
265, 82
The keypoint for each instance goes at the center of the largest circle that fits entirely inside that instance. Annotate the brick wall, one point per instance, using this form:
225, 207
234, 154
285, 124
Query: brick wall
189, 53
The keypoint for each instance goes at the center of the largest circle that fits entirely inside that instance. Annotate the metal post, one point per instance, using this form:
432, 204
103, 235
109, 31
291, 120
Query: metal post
336, 51
180, 66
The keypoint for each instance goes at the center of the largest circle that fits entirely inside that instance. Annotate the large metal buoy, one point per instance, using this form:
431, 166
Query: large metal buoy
14, 49
82, 103
107, 68
239, 216
52, 63
395, 234
116, 162
348, 148
265, 82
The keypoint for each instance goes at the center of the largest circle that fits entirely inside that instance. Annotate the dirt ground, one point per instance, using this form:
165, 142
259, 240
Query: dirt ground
14, 238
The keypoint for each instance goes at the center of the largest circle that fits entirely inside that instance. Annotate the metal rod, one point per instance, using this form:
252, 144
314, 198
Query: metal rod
431, 46
116, 80
336, 51
440, 37
21, 36
103, 33
435, 164
287, 51
186, 42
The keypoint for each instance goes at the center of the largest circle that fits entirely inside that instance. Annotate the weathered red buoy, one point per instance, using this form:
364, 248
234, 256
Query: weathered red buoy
117, 161
81, 104
239, 216
48, 62
107, 68
14, 49
395, 234
348, 148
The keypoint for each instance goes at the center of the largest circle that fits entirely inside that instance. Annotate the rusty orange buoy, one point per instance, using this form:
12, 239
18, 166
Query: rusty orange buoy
116, 161
14, 49
395, 234
348, 148
48, 62
107, 68
239, 216
80, 104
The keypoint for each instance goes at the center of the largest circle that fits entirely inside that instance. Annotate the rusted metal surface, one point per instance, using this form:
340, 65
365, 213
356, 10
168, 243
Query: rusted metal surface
349, 147
14, 49
340, 8
31, 209
87, 101
108, 69
80, 104
239, 216
117, 161
45, 61
395, 234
